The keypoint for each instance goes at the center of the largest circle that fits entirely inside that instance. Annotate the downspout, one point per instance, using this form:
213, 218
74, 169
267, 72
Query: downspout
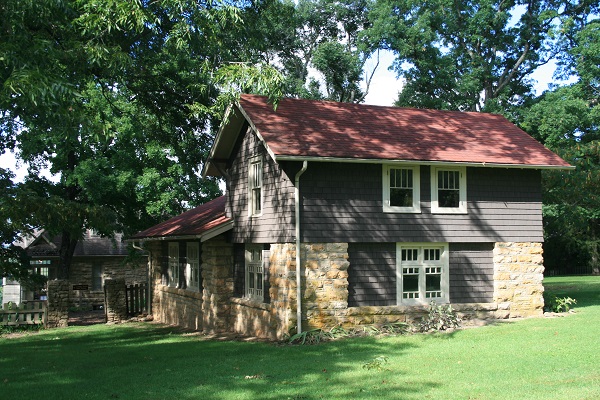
298, 277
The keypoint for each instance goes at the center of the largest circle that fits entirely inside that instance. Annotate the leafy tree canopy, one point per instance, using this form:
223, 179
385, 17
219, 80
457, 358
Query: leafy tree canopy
312, 39
472, 55
117, 99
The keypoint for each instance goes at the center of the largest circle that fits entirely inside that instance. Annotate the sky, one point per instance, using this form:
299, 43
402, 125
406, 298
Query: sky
383, 92
385, 86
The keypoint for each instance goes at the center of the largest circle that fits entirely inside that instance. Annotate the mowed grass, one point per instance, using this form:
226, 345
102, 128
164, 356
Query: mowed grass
541, 358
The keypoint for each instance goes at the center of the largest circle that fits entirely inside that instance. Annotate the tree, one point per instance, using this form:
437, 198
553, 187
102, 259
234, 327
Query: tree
567, 120
117, 99
472, 55
315, 39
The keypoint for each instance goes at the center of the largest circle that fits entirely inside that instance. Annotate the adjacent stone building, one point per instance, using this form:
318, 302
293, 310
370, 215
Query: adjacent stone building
95, 260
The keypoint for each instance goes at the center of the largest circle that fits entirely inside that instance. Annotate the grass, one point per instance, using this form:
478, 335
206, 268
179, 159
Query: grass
530, 359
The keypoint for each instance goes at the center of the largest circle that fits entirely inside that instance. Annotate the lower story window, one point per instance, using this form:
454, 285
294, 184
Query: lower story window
173, 272
192, 272
254, 272
422, 273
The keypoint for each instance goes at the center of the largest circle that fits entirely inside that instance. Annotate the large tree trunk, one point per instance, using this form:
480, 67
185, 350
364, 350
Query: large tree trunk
65, 253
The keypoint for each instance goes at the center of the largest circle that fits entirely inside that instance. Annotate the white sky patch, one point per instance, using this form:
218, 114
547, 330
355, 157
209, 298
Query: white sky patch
385, 86
19, 168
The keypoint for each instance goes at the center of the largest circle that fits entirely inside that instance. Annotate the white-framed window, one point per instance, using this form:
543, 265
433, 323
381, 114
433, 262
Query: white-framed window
422, 273
97, 277
255, 186
449, 190
401, 189
192, 268
255, 272
173, 270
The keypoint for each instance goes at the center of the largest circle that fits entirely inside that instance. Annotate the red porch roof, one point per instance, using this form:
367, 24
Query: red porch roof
324, 129
195, 222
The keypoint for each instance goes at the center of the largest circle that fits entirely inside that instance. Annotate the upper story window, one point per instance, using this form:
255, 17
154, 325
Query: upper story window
255, 183
401, 189
449, 190
422, 270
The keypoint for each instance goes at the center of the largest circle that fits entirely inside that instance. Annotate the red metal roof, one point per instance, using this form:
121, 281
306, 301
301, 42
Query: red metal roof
324, 129
194, 222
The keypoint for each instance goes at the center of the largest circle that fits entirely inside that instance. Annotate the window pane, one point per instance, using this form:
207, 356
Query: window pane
411, 283
401, 197
259, 281
449, 198
432, 254
410, 254
433, 283
251, 280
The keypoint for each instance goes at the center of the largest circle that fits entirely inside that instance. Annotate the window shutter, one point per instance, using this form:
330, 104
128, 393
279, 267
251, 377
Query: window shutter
266, 272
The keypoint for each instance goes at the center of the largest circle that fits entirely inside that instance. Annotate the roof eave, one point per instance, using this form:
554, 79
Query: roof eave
230, 129
224, 140
421, 162
203, 237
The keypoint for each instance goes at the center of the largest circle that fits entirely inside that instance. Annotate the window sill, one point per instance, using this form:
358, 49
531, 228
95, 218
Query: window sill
253, 303
449, 211
182, 292
392, 210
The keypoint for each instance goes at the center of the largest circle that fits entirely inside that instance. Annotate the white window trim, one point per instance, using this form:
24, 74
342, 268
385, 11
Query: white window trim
416, 207
462, 201
251, 211
254, 294
192, 262
422, 264
173, 270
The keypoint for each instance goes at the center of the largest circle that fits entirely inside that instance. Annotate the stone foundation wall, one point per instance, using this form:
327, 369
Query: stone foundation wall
518, 276
178, 307
58, 303
217, 268
325, 300
275, 319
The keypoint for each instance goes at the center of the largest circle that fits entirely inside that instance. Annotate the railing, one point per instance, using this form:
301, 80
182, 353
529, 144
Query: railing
27, 313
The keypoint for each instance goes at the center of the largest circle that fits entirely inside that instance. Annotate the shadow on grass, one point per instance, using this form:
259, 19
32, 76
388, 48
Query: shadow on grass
154, 362
585, 289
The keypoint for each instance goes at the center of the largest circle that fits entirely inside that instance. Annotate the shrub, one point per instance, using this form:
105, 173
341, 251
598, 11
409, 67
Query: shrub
439, 318
557, 304
315, 336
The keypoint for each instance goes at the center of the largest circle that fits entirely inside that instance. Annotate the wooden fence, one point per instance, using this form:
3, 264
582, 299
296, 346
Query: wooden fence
27, 313
136, 298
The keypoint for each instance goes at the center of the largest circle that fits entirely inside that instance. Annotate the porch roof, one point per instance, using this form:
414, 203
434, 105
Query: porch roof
204, 222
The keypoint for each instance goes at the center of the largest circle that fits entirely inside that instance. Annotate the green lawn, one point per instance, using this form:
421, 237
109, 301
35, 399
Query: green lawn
542, 358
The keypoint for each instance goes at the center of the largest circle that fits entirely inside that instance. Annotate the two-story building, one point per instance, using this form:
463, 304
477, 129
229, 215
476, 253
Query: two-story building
338, 213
